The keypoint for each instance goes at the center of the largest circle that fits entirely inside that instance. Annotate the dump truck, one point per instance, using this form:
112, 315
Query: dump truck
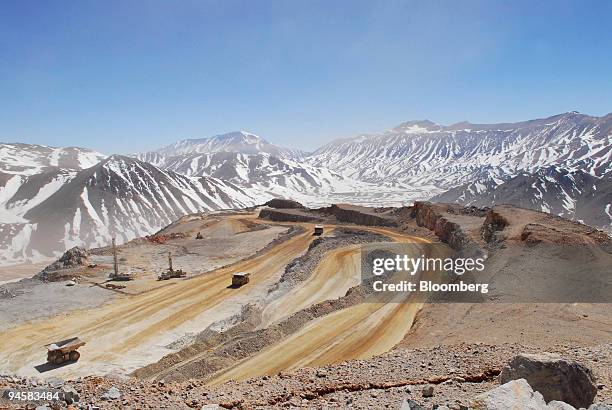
240, 279
171, 273
64, 351
318, 230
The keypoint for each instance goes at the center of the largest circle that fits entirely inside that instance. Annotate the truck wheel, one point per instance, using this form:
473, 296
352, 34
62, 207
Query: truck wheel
59, 359
74, 356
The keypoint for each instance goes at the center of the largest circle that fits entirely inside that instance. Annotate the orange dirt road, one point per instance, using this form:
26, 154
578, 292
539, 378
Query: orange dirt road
132, 331
123, 335
357, 332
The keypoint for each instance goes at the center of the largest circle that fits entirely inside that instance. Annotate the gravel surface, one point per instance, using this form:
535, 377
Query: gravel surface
456, 373
31, 299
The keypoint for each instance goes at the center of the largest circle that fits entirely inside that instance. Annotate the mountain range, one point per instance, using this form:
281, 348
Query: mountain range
45, 213
55, 198
420, 153
251, 162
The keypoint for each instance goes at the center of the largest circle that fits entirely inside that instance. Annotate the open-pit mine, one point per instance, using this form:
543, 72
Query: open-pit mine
228, 307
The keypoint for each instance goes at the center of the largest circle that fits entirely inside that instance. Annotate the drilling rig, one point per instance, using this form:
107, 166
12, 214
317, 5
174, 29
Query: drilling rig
171, 273
115, 275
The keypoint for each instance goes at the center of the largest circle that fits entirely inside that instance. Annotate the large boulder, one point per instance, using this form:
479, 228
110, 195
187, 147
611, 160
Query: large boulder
554, 377
516, 394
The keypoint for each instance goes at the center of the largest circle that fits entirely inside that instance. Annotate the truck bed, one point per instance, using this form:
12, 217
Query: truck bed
65, 345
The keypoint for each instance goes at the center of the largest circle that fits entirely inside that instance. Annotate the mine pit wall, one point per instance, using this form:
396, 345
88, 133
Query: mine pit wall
345, 215
302, 267
280, 216
357, 217
449, 232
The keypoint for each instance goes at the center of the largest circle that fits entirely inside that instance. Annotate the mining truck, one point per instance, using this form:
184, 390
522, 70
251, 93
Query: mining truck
171, 273
318, 230
239, 279
64, 351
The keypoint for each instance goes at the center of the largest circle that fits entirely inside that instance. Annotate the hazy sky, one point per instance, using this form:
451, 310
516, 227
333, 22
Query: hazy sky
125, 76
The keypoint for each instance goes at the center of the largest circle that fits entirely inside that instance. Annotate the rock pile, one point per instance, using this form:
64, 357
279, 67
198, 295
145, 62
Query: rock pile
72, 258
462, 377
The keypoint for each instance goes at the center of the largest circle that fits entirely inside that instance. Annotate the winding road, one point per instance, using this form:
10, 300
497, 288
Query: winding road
132, 331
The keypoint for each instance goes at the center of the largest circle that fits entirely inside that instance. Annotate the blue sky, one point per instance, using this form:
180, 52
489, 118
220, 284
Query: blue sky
125, 76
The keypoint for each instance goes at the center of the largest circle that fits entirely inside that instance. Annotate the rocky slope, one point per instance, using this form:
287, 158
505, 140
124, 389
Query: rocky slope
572, 194
450, 376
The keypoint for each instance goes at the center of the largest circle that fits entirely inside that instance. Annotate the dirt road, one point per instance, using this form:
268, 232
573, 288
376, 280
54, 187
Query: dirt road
361, 331
330, 280
358, 332
132, 331
338, 272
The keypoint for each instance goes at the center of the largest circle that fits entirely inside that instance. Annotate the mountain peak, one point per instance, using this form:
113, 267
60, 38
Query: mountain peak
237, 142
416, 127
236, 135
115, 158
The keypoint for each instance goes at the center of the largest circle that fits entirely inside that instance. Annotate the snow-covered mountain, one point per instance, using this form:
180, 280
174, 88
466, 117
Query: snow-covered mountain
27, 159
29, 174
415, 160
574, 194
253, 163
438, 158
55, 210
240, 142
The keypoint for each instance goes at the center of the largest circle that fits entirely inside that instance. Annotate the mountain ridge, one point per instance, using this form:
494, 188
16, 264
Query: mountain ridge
120, 196
567, 156
242, 142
